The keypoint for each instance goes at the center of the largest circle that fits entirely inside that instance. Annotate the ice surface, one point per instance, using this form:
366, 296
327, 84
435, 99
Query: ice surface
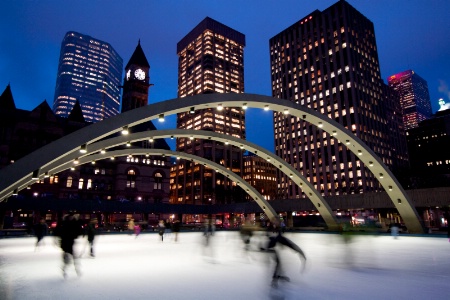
125, 267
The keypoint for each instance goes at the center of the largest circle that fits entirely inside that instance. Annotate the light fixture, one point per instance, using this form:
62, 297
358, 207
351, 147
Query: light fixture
242, 146
334, 132
192, 110
347, 142
191, 137
226, 143
286, 111
35, 175
113, 158
161, 118
381, 175
93, 162
399, 201
359, 152
219, 107
46, 175
15, 192
178, 158
291, 175
83, 148
103, 151
370, 164
390, 188
72, 168
266, 107
76, 161
171, 137
125, 130
320, 125
150, 140
128, 144
244, 106
28, 187
268, 159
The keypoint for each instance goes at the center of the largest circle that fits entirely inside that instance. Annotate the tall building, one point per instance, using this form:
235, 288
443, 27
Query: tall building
89, 71
414, 97
328, 61
210, 60
261, 174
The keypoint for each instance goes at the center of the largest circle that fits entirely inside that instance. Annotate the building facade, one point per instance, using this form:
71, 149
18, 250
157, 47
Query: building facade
210, 60
414, 97
328, 61
262, 175
89, 71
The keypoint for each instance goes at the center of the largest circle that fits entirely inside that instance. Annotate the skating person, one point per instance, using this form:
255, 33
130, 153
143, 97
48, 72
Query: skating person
176, 229
91, 231
161, 229
40, 231
68, 230
131, 226
271, 248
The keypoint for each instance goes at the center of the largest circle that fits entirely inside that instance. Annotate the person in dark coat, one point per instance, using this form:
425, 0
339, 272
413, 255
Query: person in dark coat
40, 231
278, 238
68, 230
91, 231
161, 229
176, 228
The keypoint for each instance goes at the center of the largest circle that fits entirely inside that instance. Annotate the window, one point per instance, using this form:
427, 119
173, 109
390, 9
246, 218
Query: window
69, 182
158, 181
80, 183
131, 179
89, 184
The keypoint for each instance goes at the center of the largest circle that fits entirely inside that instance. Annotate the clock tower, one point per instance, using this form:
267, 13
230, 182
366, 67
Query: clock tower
136, 81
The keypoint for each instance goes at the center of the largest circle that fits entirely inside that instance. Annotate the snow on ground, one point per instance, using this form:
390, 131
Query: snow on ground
126, 267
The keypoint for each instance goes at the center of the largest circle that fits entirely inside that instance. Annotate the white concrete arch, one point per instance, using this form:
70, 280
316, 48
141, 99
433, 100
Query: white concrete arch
316, 198
15, 175
251, 191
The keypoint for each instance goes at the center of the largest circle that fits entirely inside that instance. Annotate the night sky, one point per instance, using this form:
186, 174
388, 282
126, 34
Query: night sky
410, 34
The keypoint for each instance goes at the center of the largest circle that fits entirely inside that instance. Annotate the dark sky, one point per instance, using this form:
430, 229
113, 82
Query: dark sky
410, 34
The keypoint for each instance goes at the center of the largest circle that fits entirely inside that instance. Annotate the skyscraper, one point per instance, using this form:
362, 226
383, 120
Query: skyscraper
89, 71
210, 60
328, 61
414, 97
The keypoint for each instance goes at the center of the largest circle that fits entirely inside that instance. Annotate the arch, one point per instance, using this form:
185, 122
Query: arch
17, 175
251, 191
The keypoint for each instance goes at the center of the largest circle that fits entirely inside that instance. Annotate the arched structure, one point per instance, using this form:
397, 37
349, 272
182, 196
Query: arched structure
16, 175
316, 198
251, 191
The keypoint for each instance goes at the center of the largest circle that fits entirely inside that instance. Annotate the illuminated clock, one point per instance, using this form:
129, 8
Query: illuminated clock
128, 74
139, 74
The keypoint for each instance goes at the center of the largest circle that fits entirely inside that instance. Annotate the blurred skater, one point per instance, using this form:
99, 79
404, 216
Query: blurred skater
176, 229
208, 233
271, 248
40, 231
137, 230
91, 231
161, 229
168, 225
131, 226
68, 230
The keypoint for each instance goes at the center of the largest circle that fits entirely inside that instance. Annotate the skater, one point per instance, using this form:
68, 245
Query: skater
131, 226
161, 229
68, 230
176, 229
40, 231
271, 248
91, 232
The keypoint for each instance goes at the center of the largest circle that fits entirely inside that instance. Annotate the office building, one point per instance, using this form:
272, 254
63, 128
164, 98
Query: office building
414, 97
328, 61
210, 60
261, 174
89, 71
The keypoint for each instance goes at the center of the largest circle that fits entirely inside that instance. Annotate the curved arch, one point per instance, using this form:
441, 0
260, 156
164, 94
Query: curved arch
16, 174
317, 199
251, 191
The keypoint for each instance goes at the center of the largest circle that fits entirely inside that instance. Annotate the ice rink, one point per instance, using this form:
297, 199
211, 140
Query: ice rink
126, 267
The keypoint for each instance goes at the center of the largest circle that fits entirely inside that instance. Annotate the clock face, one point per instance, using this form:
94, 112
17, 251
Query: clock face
139, 74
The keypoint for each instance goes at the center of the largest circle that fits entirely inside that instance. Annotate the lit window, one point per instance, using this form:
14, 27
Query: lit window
69, 182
